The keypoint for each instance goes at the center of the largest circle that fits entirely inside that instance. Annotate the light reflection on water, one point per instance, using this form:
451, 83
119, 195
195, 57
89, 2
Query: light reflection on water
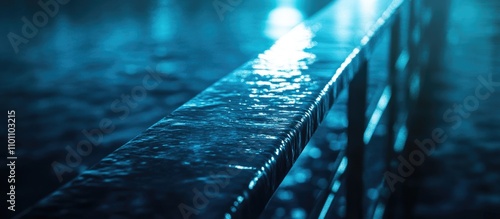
93, 52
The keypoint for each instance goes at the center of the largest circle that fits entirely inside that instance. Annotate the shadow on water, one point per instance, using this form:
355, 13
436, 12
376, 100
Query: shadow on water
86, 68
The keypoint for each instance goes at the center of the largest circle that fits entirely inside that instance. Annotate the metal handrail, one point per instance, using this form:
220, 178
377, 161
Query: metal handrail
224, 153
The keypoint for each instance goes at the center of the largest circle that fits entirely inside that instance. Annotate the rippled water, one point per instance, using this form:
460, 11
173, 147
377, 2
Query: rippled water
91, 61
460, 179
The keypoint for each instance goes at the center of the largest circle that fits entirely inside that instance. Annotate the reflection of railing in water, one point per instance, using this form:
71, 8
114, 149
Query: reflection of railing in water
225, 152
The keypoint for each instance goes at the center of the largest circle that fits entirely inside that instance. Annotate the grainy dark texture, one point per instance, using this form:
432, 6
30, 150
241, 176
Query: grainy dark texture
461, 178
95, 52
234, 142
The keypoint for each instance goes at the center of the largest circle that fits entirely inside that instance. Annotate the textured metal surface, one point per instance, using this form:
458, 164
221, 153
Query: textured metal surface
306, 188
223, 153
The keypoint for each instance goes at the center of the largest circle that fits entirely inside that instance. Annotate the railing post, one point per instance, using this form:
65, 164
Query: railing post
160, 156
356, 108
393, 75
393, 112
414, 39
407, 195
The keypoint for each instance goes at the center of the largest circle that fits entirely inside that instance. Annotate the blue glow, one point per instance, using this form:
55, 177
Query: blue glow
399, 144
372, 194
162, 25
315, 153
242, 167
327, 205
282, 18
335, 187
377, 114
402, 61
379, 211
285, 195
298, 213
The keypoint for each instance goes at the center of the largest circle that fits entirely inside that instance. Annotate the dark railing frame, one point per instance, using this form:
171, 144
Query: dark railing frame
404, 71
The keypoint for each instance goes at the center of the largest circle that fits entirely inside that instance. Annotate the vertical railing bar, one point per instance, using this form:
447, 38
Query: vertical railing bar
413, 40
356, 108
410, 77
394, 52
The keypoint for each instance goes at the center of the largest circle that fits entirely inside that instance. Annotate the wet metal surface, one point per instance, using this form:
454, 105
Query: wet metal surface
78, 68
223, 153
318, 172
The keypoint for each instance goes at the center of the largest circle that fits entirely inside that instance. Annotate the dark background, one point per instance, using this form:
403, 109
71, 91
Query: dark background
65, 79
